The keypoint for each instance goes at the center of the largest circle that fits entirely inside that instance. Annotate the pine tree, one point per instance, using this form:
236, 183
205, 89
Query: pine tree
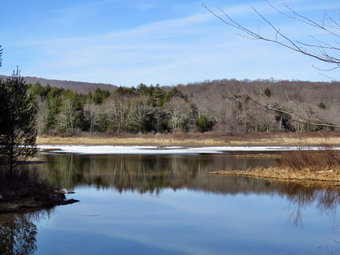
17, 121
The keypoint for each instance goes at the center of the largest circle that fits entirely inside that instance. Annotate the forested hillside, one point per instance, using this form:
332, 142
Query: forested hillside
76, 86
223, 107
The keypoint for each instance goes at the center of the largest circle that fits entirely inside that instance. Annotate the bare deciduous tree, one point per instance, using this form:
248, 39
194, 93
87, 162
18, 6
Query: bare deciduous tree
118, 110
139, 111
91, 112
177, 108
67, 118
42, 115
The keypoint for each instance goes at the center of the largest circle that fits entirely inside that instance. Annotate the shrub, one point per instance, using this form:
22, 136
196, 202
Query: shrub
326, 158
204, 124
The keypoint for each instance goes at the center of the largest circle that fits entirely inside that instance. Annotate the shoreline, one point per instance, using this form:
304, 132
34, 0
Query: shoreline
186, 144
27, 190
195, 140
30, 205
257, 151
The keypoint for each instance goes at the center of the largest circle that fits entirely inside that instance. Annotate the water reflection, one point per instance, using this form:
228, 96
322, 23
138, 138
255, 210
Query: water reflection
154, 173
300, 196
18, 233
206, 215
150, 173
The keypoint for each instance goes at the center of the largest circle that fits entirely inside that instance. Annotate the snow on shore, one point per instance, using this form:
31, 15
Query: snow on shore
99, 149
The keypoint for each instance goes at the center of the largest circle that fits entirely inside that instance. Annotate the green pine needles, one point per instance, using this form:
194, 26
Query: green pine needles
17, 122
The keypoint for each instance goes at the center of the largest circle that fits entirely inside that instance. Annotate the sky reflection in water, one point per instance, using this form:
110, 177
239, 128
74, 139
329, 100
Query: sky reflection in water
188, 212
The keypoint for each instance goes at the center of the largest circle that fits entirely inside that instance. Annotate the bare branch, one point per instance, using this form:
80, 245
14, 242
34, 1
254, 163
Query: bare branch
326, 70
306, 20
336, 24
317, 51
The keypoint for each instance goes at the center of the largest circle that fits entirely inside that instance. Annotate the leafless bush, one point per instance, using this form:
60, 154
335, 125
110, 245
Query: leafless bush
325, 159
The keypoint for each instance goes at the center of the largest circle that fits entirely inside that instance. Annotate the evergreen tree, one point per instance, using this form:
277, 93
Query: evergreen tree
204, 124
17, 121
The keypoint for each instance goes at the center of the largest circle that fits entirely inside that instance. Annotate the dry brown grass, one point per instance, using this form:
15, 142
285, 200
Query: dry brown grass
259, 156
127, 141
311, 160
284, 140
303, 176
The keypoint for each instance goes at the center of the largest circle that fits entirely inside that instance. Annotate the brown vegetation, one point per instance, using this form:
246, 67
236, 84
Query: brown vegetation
258, 156
308, 168
228, 101
305, 177
314, 161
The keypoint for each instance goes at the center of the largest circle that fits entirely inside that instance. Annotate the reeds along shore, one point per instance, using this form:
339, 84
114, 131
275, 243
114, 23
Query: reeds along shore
321, 168
322, 178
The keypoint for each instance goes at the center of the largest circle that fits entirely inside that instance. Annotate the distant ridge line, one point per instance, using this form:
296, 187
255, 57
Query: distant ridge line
76, 86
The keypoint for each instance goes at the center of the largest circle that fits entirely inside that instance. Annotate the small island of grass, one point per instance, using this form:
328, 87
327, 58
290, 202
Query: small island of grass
308, 168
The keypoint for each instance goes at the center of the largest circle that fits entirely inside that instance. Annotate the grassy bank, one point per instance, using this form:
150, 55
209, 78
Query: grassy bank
283, 139
305, 177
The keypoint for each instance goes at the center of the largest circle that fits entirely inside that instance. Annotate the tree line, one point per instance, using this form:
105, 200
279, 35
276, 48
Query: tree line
142, 109
222, 106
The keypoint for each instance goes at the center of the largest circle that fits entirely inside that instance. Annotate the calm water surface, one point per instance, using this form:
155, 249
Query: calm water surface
168, 204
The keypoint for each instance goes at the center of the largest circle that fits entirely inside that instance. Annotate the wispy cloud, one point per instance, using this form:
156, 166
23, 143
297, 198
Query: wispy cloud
166, 28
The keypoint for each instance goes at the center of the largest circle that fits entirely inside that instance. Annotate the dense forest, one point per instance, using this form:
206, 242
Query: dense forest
222, 107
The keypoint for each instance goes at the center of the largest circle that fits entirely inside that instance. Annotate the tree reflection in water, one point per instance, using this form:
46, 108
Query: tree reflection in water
18, 233
146, 173
326, 199
154, 173
300, 196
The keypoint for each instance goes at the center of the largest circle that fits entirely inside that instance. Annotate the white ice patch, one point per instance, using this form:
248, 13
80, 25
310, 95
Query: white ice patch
328, 171
107, 149
81, 149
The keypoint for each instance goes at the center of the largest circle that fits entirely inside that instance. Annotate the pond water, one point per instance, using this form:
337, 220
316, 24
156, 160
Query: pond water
168, 204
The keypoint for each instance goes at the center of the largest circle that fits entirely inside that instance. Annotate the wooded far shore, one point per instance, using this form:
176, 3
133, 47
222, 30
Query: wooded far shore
223, 107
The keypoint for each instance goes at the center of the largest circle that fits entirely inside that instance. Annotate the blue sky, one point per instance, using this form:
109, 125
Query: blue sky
152, 41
